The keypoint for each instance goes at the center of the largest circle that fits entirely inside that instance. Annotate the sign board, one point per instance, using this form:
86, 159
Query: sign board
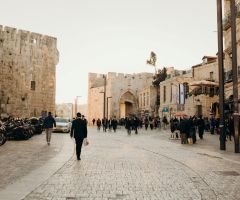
165, 109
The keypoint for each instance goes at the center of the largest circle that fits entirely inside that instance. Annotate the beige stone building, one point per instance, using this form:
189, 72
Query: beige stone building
64, 110
122, 94
203, 88
193, 92
171, 98
69, 110
27, 72
147, 100
228, 48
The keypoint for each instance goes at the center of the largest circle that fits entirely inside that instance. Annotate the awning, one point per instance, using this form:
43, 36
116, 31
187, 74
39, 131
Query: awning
181, 114
203, 83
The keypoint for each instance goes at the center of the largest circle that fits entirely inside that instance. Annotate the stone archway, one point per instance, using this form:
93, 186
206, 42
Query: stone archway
127, 105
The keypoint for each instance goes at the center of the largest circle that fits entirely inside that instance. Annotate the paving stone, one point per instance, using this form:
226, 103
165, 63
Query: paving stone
144, 166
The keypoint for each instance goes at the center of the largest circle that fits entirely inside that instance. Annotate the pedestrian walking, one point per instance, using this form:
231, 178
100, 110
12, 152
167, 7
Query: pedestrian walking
172, 128
128, 126
48, 124
146, 122
110, 125
201, 126
182, 129
135, 124
230, 127
114, 124
93, 121
212, 124
159, 123
98, 124
151, 123
176, 125
192, 126
165, 122
79, 132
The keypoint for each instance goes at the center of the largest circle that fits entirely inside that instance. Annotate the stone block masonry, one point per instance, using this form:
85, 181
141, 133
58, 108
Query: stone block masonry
27, 72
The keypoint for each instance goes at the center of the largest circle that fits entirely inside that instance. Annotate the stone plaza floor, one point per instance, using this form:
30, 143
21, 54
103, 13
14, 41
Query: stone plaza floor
117, 166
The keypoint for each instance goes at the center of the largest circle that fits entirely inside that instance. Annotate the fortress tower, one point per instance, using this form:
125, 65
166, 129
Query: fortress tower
27, 72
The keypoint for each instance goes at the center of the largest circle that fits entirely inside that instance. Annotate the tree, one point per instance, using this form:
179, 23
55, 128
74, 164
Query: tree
159, 77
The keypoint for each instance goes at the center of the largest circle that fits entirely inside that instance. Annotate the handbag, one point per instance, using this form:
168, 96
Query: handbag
85, 142
190, 141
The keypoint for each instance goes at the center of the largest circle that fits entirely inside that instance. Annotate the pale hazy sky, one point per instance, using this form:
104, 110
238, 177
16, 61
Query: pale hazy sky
116, 35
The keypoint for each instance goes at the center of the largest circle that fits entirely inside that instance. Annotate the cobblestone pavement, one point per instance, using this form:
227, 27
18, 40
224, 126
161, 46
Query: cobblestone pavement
17, 158
144, 166
23, 164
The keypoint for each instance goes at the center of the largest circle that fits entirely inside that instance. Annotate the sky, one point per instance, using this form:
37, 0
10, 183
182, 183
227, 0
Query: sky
116, 35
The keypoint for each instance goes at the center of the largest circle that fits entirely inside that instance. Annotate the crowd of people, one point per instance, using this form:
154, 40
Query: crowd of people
188, 127
132, 123
184, 128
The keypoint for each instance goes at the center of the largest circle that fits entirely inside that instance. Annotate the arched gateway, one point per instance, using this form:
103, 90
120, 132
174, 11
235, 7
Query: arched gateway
127, 104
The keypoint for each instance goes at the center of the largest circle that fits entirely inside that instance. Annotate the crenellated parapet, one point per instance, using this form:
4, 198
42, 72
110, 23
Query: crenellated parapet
97, 80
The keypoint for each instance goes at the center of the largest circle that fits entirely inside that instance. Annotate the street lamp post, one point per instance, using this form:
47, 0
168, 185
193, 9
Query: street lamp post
104, 96
76, 104
221, 76
107, 105
235, 75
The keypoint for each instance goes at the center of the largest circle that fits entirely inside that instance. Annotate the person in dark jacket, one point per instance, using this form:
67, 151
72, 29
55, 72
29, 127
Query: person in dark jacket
201, 126
135, 124
231, 128
114, 124
128, 125
192, 126
93, 121
105, 124
212, 125
146, 122
79, 132
48, 124
98, 124
183, 130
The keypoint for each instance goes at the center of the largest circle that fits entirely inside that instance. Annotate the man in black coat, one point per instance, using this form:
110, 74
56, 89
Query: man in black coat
79, 131
201, 126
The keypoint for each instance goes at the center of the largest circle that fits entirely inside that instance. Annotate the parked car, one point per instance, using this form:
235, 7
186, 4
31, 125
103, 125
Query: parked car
62, 125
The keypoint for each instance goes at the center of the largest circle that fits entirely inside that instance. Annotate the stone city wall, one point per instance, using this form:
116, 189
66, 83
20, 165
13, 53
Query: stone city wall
27, 72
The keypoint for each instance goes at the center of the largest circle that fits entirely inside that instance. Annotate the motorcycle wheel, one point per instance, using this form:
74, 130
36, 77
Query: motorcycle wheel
3, 139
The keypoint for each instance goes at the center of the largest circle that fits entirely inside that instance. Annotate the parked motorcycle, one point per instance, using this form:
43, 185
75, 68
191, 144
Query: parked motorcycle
3, 135
37, 125
16, 131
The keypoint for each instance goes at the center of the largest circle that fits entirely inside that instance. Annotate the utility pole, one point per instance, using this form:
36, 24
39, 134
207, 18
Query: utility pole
221, 75
107, 105
104, 96
235, 75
